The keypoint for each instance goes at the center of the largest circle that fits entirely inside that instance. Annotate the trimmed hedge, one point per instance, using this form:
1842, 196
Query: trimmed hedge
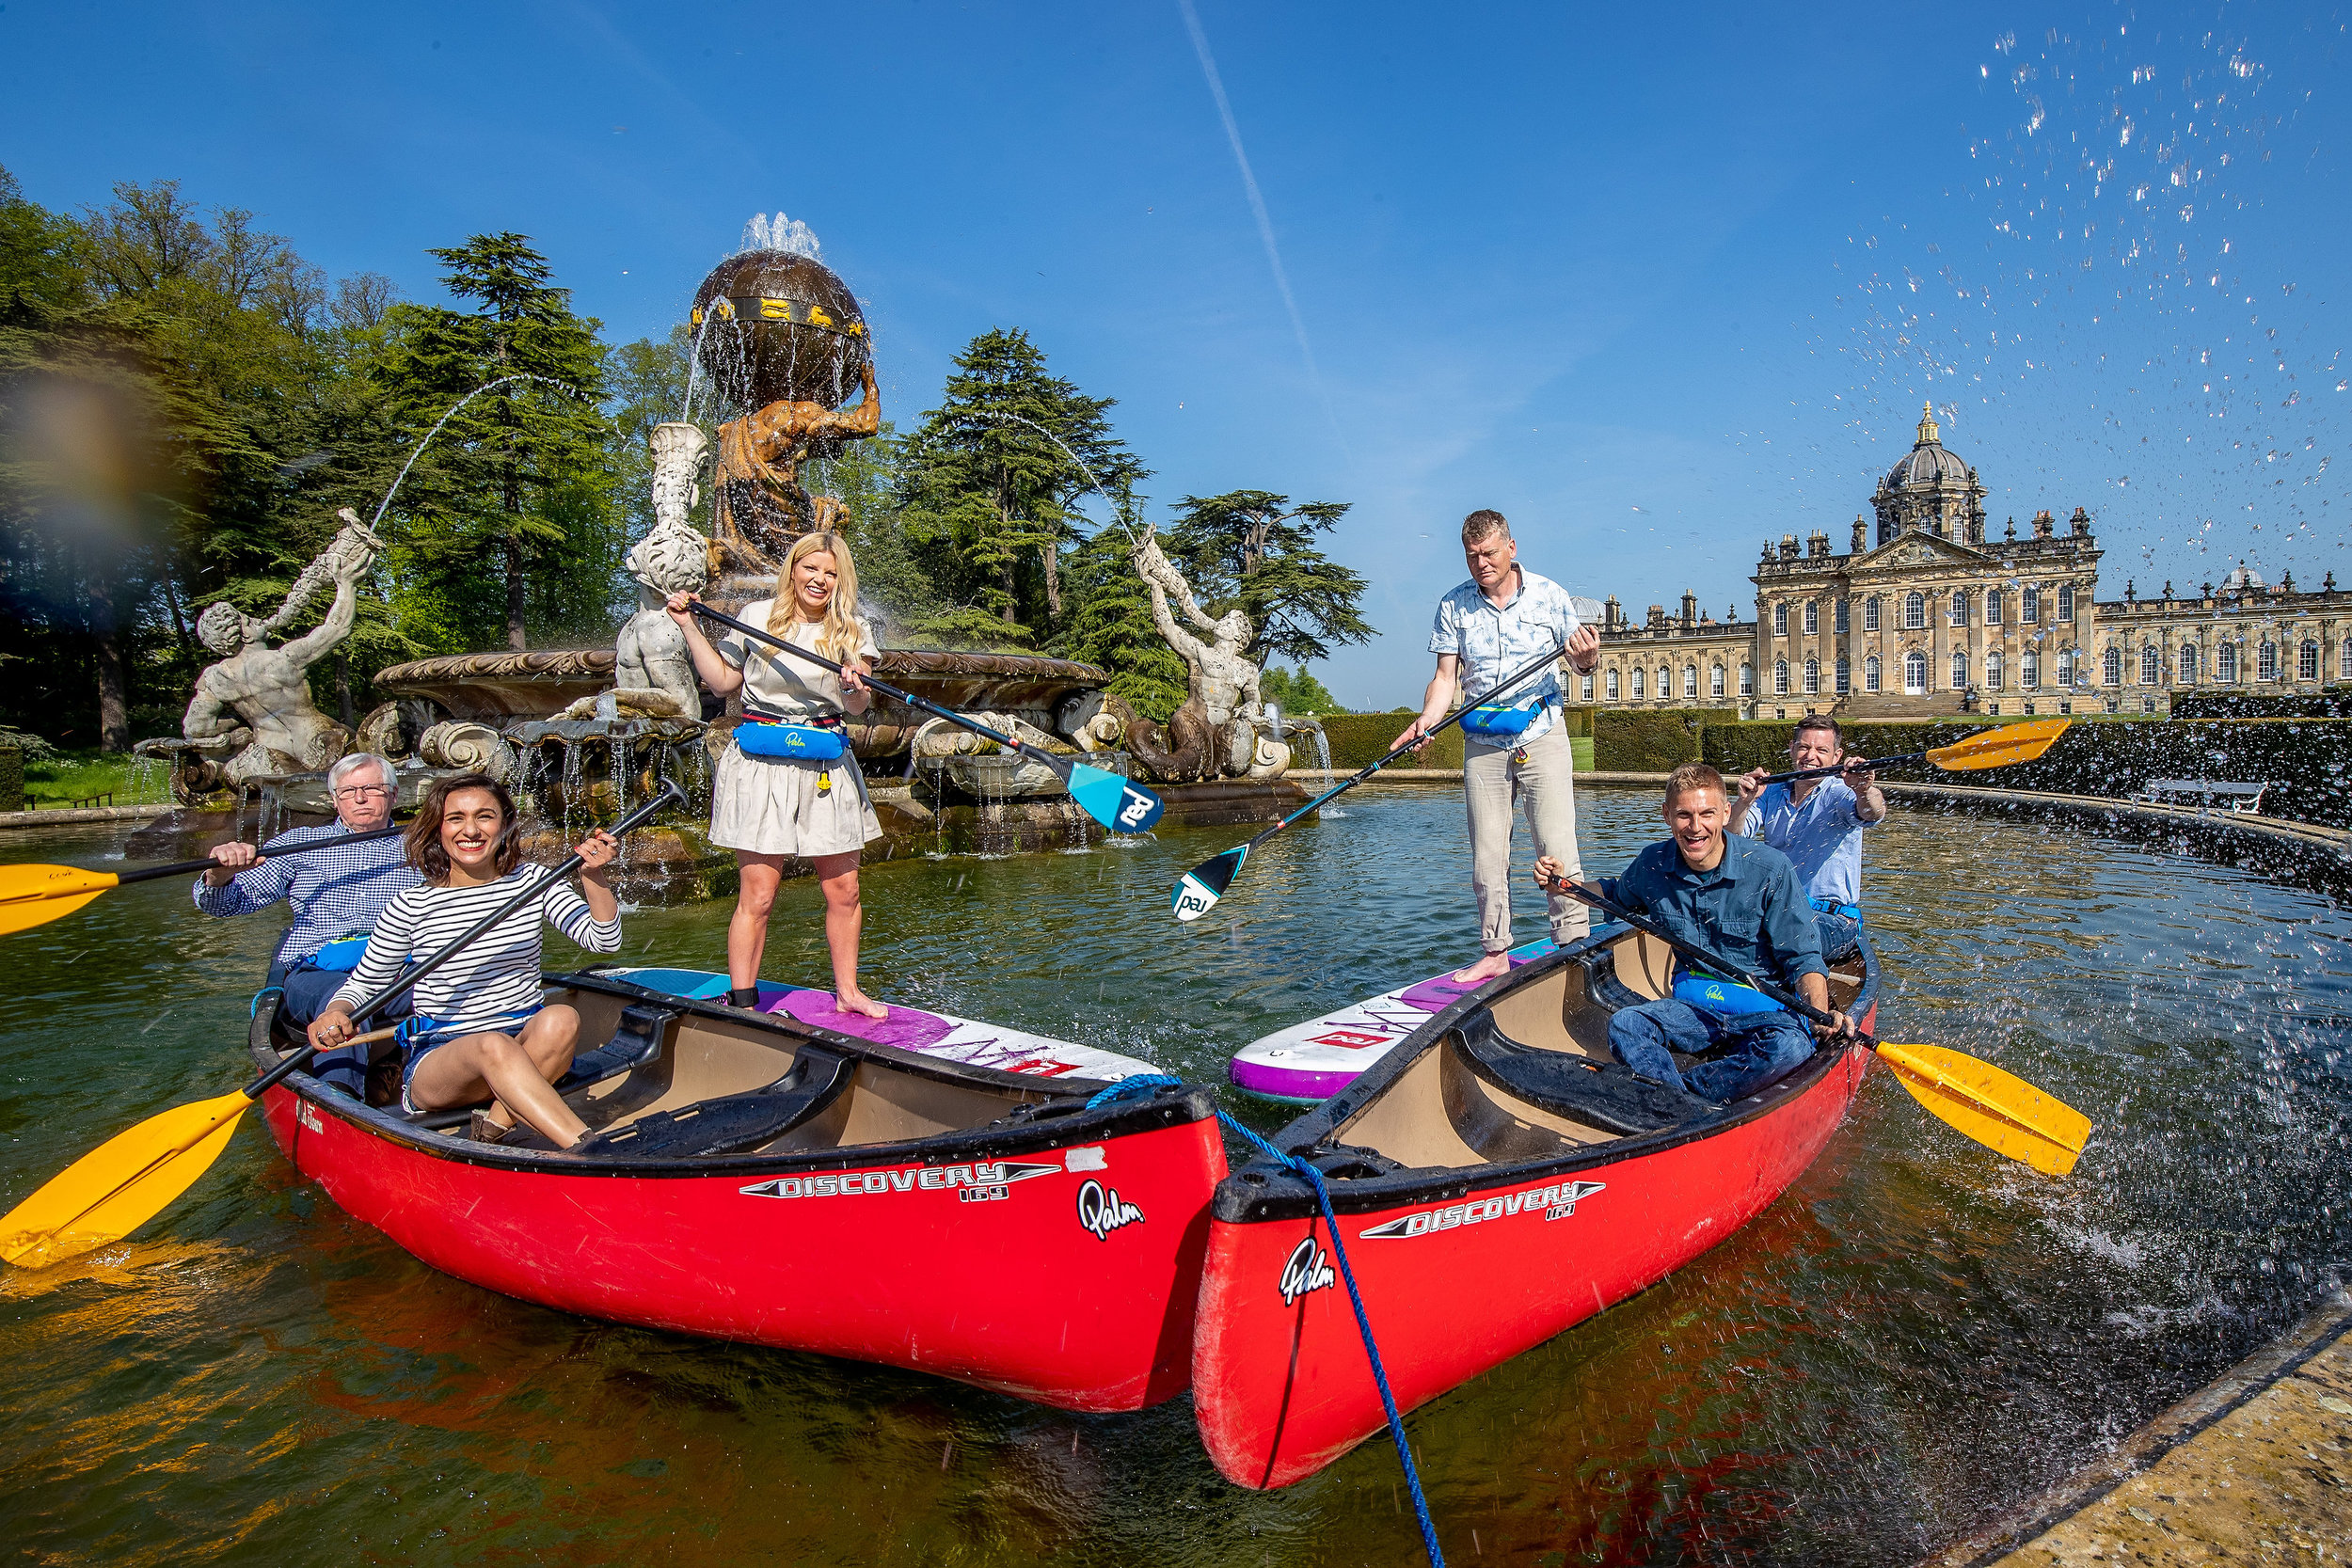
1358, 738
11, 780
1656, 740
2334, 703
2307, 759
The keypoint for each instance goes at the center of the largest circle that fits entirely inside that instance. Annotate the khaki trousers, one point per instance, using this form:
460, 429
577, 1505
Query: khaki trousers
1544, 786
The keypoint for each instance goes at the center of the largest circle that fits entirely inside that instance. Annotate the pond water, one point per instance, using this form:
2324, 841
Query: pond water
1916, 1338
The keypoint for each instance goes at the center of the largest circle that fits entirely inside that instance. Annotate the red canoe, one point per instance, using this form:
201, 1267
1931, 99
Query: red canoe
1497, 1177
756, 1177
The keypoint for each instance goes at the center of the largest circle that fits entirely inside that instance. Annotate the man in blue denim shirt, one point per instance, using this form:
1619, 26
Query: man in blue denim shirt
1740, 901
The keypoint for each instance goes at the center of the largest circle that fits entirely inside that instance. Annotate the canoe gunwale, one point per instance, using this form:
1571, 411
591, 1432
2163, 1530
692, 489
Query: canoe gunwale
1165, 1108
1262, 1191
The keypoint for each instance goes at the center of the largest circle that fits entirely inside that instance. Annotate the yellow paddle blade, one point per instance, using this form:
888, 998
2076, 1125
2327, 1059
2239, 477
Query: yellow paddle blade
120, 1184
1999, 747
34, 895
1998, 1109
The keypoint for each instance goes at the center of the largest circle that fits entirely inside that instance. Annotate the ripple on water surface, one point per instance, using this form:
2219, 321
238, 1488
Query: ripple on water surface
1916, 1337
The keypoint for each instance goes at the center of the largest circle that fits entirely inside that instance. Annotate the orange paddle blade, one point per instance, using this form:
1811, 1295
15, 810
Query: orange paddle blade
34, 895
1998, 1109
120, 1184
1999, 747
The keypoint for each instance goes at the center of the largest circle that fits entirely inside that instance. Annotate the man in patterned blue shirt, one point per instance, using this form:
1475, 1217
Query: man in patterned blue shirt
1485, 630
335, 893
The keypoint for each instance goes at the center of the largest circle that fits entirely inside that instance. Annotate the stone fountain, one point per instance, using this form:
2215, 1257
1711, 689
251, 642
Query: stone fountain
580, 732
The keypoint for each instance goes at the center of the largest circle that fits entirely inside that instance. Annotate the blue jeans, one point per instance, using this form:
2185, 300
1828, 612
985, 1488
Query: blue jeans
1760, 1048
1838, 930
304, 990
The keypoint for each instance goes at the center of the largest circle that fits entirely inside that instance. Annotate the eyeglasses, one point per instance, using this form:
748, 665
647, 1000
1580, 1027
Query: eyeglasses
361, 792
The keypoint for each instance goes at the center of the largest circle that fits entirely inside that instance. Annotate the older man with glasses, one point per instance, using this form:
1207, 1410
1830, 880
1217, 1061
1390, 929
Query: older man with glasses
337, 893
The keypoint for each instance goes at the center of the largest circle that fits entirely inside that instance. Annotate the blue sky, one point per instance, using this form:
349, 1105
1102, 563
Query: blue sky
1659, 284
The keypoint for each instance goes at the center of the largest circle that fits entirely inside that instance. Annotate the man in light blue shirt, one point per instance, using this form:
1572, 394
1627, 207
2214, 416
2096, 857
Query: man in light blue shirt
1817, 824
1485, 630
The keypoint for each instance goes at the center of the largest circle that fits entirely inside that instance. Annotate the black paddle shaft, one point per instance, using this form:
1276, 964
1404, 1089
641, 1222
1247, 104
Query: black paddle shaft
188, 868
669, 794
1699, 956
1032, 753
1867, 764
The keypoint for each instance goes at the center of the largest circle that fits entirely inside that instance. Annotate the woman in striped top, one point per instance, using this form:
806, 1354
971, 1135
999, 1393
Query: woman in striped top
480, 1028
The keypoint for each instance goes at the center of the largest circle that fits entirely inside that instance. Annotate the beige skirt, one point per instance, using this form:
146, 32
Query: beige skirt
775, 806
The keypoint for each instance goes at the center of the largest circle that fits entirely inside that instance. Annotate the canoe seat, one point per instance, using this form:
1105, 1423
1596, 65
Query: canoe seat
1603, 1094
734, 1122
636, 1042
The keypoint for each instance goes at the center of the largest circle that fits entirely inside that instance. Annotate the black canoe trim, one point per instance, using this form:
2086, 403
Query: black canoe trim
1262, 1191
1002, 1139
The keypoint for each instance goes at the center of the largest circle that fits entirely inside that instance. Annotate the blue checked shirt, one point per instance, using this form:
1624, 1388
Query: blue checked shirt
1492, 644
335, 893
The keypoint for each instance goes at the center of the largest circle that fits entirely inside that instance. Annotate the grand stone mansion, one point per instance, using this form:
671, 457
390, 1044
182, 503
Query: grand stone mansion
1931, 617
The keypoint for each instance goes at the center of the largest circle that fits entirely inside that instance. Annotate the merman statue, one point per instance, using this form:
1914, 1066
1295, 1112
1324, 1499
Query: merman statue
256, 700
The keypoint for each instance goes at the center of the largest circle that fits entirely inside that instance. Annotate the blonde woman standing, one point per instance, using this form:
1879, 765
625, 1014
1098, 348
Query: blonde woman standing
778, 793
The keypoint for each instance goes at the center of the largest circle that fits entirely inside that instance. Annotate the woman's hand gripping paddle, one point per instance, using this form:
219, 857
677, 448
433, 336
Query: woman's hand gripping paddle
127, 1181
1998, 1109
1999, 747
1198, 889
1119, 805
34, 895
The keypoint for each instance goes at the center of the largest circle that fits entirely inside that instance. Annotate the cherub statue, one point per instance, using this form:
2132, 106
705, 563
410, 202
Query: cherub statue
255, 699
651, 671
761, 505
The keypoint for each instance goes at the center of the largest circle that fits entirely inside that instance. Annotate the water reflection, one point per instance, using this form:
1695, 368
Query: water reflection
1916, 1337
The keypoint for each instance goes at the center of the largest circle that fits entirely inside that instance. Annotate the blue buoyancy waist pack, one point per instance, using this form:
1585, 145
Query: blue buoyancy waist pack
1727, 997
342, 955
758, 735
1501, 723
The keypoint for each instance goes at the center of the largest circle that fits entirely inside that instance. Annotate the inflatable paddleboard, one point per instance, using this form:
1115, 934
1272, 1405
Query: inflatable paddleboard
941, 1035
1307, 1063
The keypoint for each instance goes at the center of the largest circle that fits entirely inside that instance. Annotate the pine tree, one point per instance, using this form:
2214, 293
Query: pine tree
1252, 548
987, 478
521, 475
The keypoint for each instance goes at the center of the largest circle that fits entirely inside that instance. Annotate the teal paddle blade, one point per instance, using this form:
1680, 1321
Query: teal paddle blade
1198, 889
1119, 805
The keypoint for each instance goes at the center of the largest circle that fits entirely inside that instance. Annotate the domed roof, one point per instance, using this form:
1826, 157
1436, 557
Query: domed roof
1926, 463
2241, 579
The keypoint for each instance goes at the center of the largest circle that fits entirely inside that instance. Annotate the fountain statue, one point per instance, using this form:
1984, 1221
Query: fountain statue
782, 336
252, 716
652, 675
1223, 727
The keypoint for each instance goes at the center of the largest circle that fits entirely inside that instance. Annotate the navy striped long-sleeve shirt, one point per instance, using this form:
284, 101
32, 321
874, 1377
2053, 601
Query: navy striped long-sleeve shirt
335, 893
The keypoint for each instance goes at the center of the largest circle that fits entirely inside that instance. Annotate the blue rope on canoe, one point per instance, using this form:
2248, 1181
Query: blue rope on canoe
1151, 1083
253, 1009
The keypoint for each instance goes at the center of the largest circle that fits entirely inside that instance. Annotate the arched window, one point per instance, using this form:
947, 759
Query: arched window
1665, 683
1957, 614
1870, 670
1690, 680
1845, 677
1992, 671
1843, 623
1747, 680
2029, 671
2225, 664
1613, 686
2111, 667
1960, 671
2030, 605
2343, 661
2189, 664
2066, 667
1780, 620
1870, 614
1588, 687
1715, 682
1991, 607
1780, 677
2267, 661
2307, 662
1812, 617
1637, 683
1915, 611
1812, 675
2150, 665
2066, 601
1914, 672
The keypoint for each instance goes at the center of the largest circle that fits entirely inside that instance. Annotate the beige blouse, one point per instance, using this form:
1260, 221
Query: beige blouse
774, 681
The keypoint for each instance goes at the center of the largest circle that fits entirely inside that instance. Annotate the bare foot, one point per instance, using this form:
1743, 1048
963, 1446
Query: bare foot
1486, 969
859, 1003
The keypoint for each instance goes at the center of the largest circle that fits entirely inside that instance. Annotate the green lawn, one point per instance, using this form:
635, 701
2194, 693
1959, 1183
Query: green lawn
72, 776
